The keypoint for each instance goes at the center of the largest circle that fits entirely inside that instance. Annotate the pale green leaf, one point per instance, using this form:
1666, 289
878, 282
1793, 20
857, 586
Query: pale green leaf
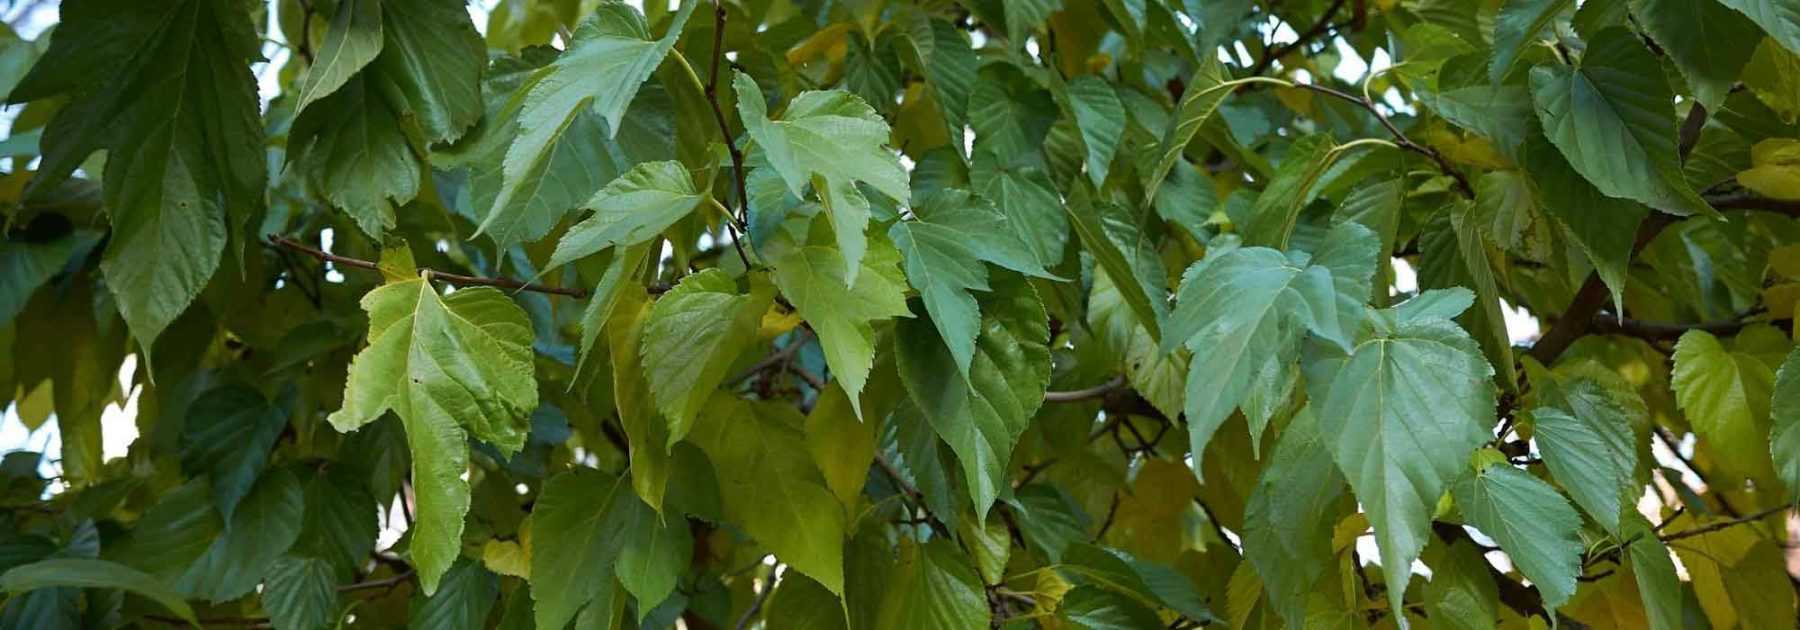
771, 486
1400, 414
812, 278
630, 210
1536, 527
656, 552
693, 334
832, 140
1726, 395
1203, 96
449, 367
351, 42
981, 416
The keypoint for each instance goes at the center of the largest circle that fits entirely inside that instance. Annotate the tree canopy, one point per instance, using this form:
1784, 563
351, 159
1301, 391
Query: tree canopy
884, 314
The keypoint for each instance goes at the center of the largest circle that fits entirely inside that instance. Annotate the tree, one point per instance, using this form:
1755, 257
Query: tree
888, 314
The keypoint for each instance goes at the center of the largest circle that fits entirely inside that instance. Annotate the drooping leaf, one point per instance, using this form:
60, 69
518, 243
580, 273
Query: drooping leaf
952, 233
832, 140
1726, 393
1034, 213
1290, 516
575, 529
1518, 26
300, 593
469, 592
610, 56
227, 436
981, 416
1780, 18
166, 90
1101, 118
1605, 227
1784, 415
1611, 116
843, 313
264, 525
1536, 526
1203, 96
449, 367
772, 487
693, 334
1402, 411
1708, 42
1244, 311
933, 587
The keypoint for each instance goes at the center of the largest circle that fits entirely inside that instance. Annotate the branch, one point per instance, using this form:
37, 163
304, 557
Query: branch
1707, 529
1400, 139
1078, 395
1608, 323
737, 156
276, 240
1318, 29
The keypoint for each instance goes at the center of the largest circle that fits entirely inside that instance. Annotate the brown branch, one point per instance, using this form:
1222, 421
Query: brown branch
777, 357
1400, 138
1608, 323
1318, 29
276, 240
386, 582
1707, 529
737, 156
1078, 395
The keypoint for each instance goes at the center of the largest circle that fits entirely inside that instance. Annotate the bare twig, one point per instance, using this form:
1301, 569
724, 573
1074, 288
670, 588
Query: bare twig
1400, 139
277, 240
1608, 323
1096, 391
1707, 529
732, 222
1318, 29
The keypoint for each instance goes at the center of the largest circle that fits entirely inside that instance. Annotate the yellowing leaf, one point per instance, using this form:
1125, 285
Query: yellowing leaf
1775, 170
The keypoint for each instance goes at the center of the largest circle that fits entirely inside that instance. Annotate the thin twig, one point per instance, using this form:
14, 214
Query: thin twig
802, 335
1608, 323
447, 277
761, 597
1318, 29
737, 156
1707, 529
305, 47
1096, 391
1400, 138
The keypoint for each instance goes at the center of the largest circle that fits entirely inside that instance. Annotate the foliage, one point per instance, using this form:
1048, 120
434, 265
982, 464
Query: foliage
901, 313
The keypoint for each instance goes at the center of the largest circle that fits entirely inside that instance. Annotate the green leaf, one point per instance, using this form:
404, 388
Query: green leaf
576, 529
833, 140
1654, 572
167, 91
802, 603
1594, 458
1533, 524
352, 41
1100, 609
260, 530
1290, 516
1612, 117
1726, 394
1517, 27
694, 333
174, 532
359, 138
646, 430
1709, 43
630, 210
300, 593
609, 57
1775, 169
1203, 96
1462, 594
812, 278
1461, 256
982, 415
1034, 212
26, 265
1244, 311
86, 573
1780, 18
1278, 208
656, 552
1604, 227
771, 487
932, 587
450, 367
469, 592
1784, 415
1101, 118
945, 243
1122, 251
1401, 413
227, 436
